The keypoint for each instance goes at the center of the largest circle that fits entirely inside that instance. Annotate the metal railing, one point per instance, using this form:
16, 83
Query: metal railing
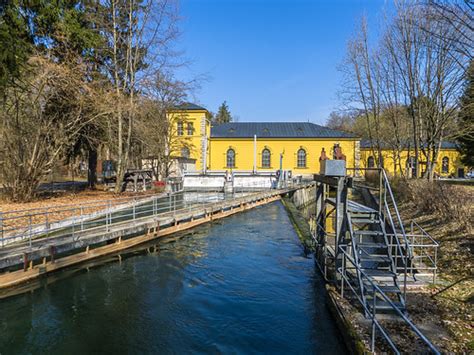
377, 180
416, 250
67, 220
371, 308
424, 248
403, 254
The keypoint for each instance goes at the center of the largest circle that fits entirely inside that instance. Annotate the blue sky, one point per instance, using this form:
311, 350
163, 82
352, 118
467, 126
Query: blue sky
271, 60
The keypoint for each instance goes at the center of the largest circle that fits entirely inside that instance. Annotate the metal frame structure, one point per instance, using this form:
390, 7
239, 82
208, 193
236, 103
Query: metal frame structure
366, 248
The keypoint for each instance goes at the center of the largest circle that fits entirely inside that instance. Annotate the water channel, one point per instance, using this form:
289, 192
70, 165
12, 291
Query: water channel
242, 285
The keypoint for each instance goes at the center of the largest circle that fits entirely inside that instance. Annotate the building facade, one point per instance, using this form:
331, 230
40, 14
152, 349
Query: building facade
190, 130
448, 164
253, 146
265, 147
269, 146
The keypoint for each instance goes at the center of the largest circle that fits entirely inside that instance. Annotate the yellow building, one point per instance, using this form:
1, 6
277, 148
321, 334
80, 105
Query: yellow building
259, 147
447, 165
189, 131
254, 146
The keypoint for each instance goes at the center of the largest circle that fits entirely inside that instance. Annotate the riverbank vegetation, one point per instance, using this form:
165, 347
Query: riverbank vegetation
82, 77
446, 212
412, 88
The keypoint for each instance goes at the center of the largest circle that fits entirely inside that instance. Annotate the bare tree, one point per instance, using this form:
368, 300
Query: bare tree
157, 127
458, 16
362, 89
140, 37
39, 120
415, 72
430, 75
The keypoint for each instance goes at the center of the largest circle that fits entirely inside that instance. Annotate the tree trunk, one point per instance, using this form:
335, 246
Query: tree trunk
92, 168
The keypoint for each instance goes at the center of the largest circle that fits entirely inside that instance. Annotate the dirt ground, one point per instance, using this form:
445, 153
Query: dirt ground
450, 303
63, 204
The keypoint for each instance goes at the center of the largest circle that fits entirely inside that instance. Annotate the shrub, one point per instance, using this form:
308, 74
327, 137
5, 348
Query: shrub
449, 202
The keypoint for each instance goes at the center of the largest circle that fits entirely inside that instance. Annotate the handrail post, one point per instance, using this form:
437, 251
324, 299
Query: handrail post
381, 183
47, 220
30, 229
82, 222
134, 203
73, 223
372, 345
108, 219
343, 273
2, 233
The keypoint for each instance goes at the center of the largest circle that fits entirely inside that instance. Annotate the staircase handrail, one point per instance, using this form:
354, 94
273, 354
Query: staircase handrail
407, 320
356, 256
397, 213
425, 233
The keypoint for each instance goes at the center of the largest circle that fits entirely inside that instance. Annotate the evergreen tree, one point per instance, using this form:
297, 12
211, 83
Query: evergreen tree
223, 114
466, 120
16, 42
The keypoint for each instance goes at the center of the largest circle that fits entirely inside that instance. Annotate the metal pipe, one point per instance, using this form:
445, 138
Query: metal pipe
254, 153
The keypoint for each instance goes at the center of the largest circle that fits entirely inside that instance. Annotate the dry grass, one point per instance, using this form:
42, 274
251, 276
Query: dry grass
447, 213
63, 205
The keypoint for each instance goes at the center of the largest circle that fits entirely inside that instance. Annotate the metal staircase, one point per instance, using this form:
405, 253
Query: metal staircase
365, 249
372, 253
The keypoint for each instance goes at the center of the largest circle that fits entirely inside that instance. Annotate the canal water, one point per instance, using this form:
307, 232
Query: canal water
242, 285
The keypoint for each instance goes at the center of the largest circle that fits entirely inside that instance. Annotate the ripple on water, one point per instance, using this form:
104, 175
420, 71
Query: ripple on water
241, 285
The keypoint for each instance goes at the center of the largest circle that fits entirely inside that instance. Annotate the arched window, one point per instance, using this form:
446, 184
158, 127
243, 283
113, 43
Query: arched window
230, 158
370, 162
266, 158
301, 163
445, 165
180, 128
185, 152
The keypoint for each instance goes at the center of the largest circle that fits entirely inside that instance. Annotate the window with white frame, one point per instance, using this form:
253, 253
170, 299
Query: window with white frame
230, 158
180, 128
301, 161
266, 158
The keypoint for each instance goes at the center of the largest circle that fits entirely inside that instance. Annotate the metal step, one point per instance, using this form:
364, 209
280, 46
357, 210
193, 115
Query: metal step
378, 273
367, 232
384, 288
364, 221
375, 258
372, 245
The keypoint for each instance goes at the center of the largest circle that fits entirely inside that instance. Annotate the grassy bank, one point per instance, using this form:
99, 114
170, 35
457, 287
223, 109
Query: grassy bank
446, 212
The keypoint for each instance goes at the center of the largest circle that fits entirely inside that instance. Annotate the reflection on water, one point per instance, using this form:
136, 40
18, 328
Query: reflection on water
241, 285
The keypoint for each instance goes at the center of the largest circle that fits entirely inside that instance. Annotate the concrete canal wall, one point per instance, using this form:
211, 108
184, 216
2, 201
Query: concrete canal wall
47, 255
305, 196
